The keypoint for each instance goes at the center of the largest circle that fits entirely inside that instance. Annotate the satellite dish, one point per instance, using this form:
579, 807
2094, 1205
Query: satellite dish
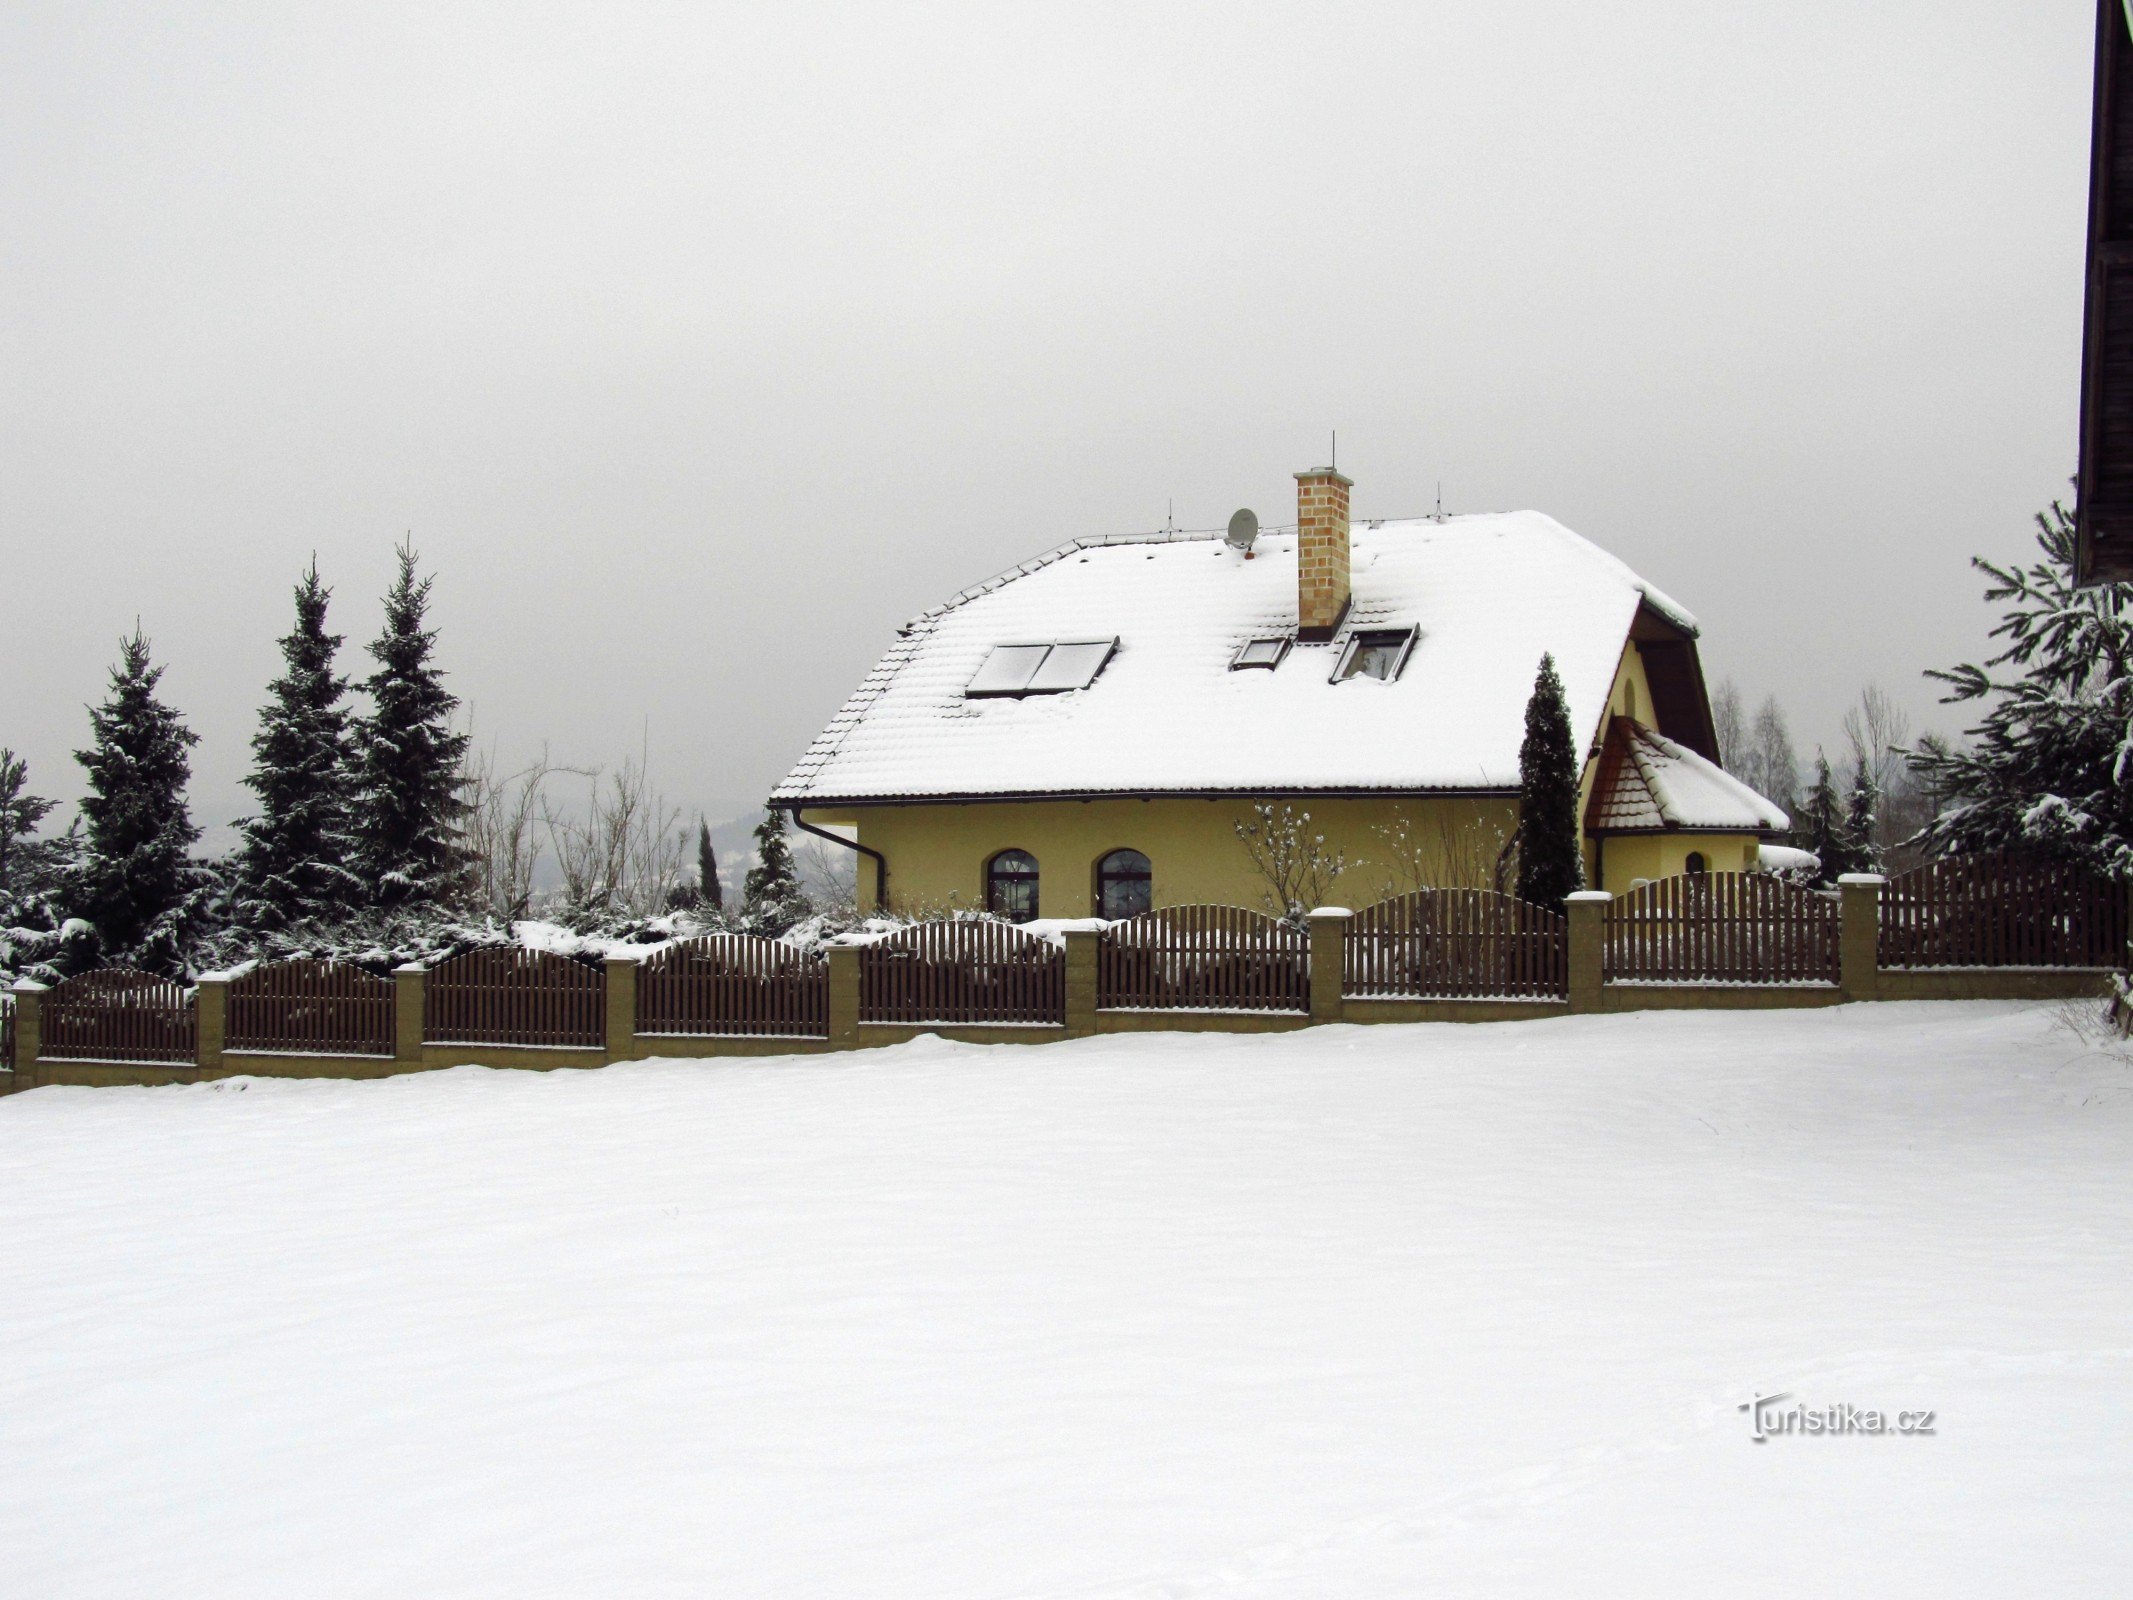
1243, 529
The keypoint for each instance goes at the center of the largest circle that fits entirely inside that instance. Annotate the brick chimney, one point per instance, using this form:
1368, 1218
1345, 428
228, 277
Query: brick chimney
1321, 553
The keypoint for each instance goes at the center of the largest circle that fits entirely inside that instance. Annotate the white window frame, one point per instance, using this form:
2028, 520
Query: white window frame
1237, 663
1408, 636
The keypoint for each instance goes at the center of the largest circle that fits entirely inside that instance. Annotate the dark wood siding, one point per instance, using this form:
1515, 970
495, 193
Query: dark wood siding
2106, 480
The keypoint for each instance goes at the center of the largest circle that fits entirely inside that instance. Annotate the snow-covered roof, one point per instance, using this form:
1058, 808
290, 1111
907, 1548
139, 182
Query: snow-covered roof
1489, 593
1648, 784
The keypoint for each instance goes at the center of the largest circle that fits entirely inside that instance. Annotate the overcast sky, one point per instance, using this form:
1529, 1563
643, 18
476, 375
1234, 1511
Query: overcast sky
699, 345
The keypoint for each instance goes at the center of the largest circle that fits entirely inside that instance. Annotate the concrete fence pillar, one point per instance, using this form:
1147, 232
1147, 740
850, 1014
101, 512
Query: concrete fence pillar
1081, 950
29, 1030
621, 1003
211, 1022
1329, 961
1587, 914
843, 996
1859, 935
410, 983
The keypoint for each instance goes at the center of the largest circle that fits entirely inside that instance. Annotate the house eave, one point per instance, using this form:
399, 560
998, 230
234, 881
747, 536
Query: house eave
1033, 796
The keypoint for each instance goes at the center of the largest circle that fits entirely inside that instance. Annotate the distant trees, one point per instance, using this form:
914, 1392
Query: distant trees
408, 806
1550, 863
292, 862
2049, 766
136, 871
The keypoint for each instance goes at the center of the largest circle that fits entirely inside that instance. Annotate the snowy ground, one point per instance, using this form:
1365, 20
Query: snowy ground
1351, 1313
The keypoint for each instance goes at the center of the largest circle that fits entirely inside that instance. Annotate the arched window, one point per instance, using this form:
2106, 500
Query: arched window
1011, 885
1696, 864
1124, 885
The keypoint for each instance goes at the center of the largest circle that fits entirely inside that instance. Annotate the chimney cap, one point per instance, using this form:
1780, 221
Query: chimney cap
1334, 473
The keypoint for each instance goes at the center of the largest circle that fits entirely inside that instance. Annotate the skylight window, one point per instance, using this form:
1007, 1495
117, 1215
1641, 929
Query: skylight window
1019, 669
1378, 653
1259, 653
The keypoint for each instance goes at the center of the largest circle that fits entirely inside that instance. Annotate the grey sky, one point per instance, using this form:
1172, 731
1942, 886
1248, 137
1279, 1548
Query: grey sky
699, 345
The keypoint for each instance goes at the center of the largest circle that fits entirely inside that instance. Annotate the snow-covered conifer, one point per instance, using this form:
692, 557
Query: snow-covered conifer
2050, 767
136, 874
1820, 828
1862, 818
1550, 864
409, 845
292, 865
772, 898
20, 814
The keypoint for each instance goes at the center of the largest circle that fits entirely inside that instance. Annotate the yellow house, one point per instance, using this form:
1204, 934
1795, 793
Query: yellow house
1331, 712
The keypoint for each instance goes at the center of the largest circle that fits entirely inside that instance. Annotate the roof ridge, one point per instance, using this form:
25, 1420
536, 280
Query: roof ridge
1036, 563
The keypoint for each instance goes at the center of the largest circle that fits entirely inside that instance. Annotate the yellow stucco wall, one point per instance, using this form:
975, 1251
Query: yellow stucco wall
937, 854
1624, 858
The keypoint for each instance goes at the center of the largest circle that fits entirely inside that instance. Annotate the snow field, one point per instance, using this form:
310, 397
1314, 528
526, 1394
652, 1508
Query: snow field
1350, 1312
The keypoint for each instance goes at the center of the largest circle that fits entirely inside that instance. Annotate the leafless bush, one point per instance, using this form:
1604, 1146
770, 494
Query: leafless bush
1447, 851
502, 810
1299, 865
623, 855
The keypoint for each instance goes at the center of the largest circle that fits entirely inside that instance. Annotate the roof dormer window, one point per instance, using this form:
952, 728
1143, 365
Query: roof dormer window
1378, 653
1019, 669
1259, 653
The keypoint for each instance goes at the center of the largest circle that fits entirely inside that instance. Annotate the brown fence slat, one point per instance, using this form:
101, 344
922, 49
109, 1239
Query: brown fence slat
515, 997
311, 1008
2002, 910
734, 984
970, 971
118, 1014
1211, 958
1457, 944
1722, 927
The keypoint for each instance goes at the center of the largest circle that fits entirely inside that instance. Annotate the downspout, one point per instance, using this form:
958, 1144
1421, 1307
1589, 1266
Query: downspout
881, 862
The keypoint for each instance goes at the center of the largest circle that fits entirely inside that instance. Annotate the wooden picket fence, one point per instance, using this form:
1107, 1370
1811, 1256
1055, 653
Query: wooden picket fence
2002, 911
515, 997
1722, 927
119, 1014
306, 1007
967, 971
1203, 958
1457, 944
734, 984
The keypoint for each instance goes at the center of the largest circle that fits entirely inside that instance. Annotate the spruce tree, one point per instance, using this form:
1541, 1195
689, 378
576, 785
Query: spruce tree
410, 851
772, 899
708, 893
1862, 819
1821, 829
135, 872
292, 863
1550, 864
20, 814
2049, 767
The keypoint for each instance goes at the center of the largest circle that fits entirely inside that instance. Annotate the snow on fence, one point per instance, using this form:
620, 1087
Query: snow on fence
515, 997
1457, 944
312, 1008
1722, 927
119, 1014
968, 971
734, 983
1208, 958
7, 1033
2002, 911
